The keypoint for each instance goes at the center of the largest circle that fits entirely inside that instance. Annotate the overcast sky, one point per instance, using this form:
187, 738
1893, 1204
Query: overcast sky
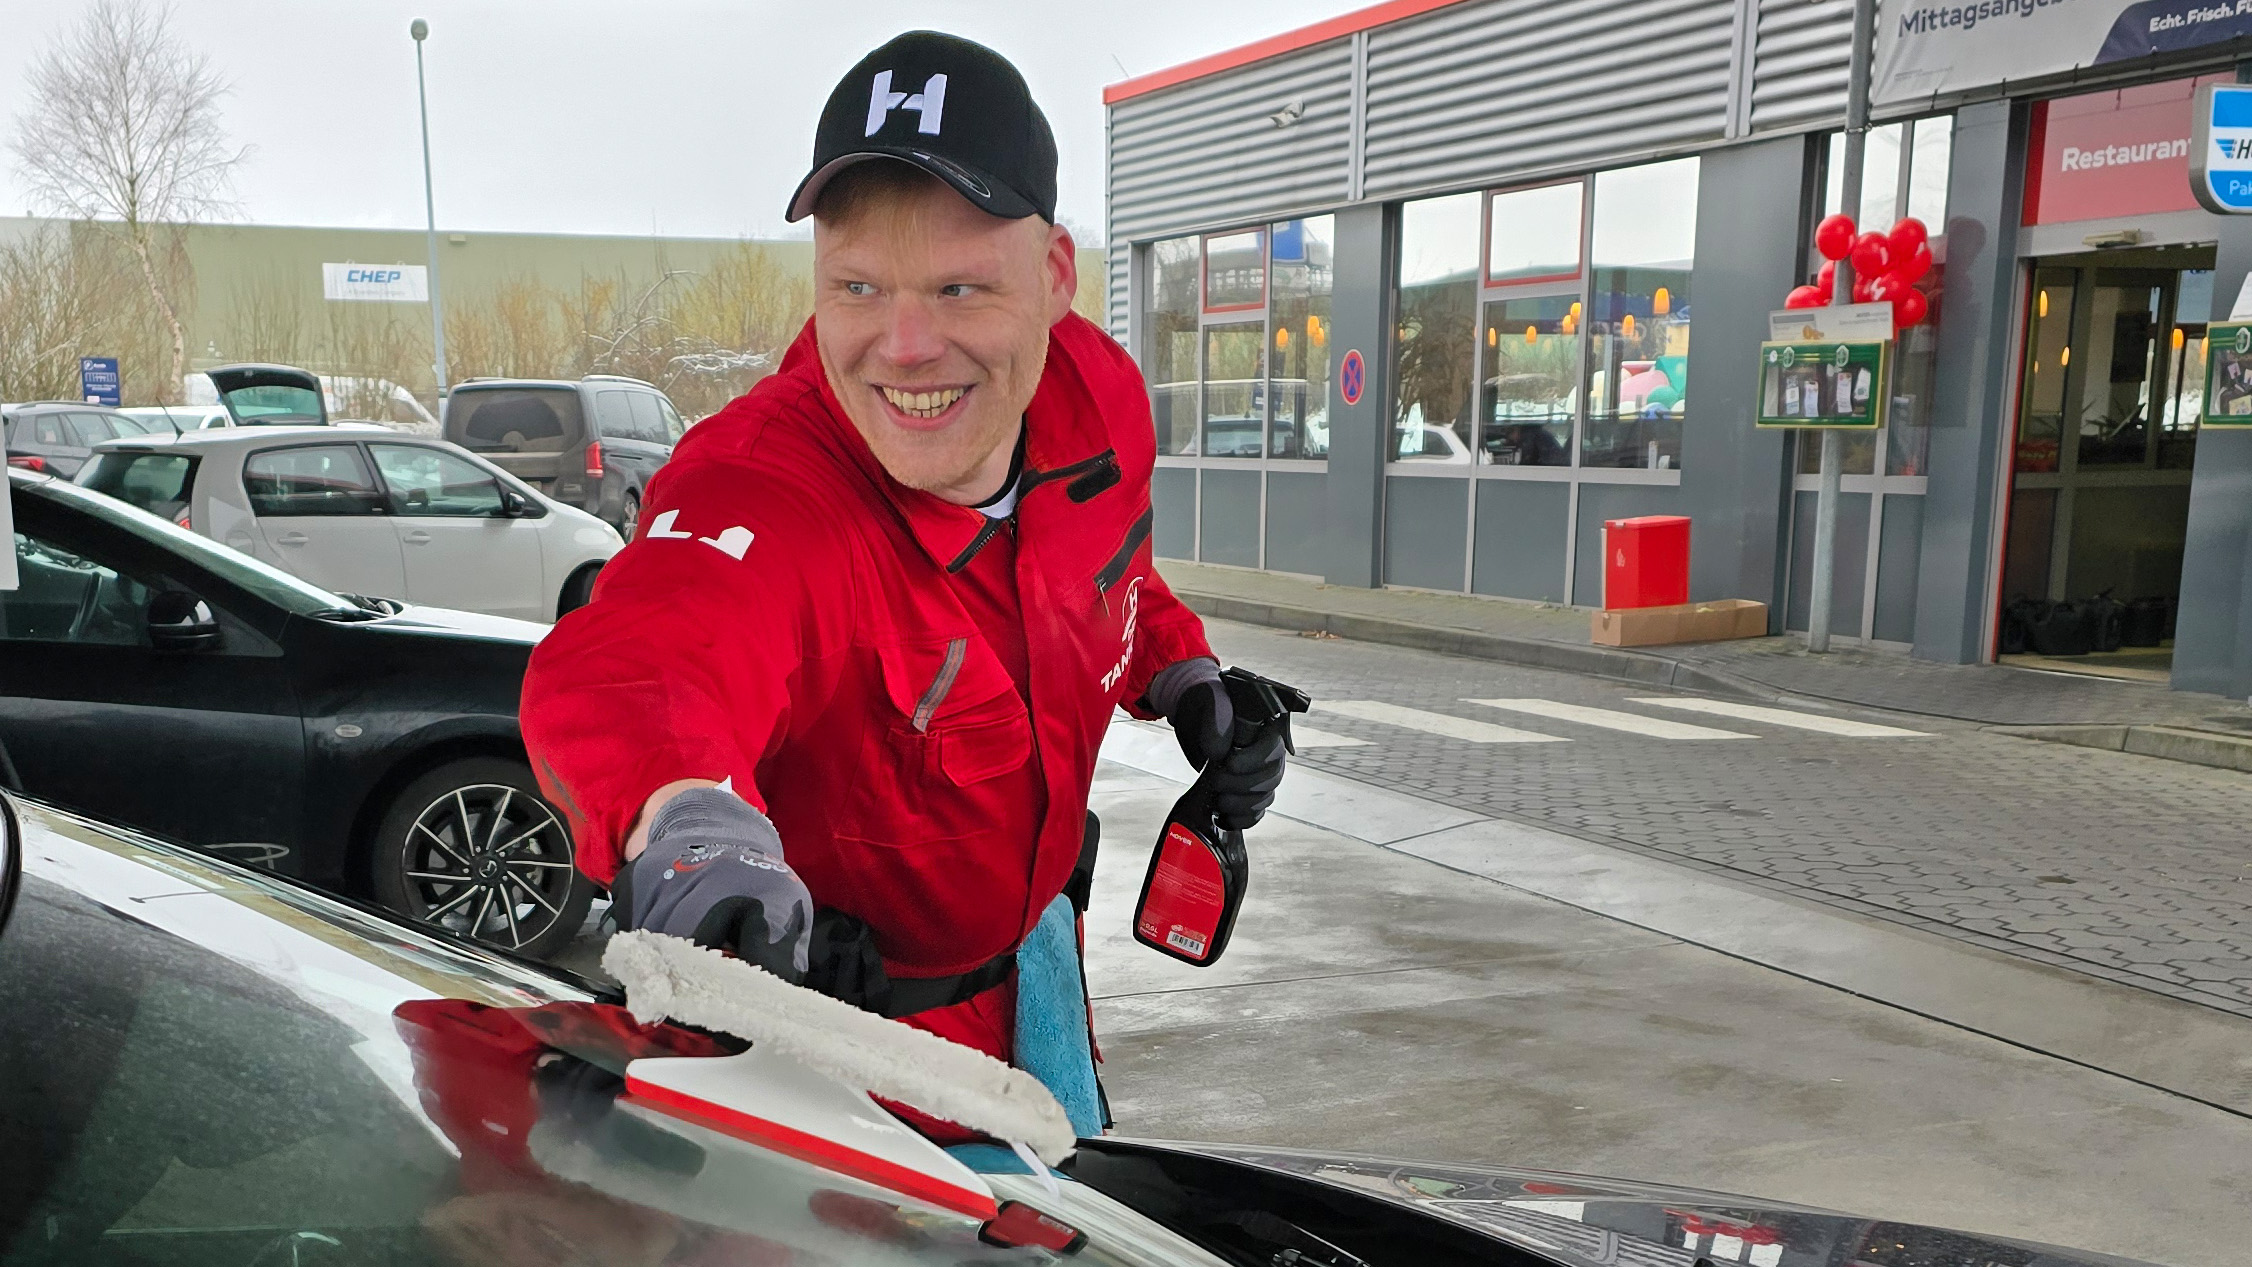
680, 117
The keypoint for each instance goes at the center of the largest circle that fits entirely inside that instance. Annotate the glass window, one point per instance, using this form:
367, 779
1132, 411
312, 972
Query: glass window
316, 479
63, 596
514, 419
1931, 155
647, 423
1302, 272
158, 483
91, 428
1638, 326
230, 565
1880, 178
1169, 339
2122, 358
1534, 234
1235, 271
434, 482
50, 428
1435, 338
674, 427
274, 403
613, 415
1529, 395
2040, 421
1235, 371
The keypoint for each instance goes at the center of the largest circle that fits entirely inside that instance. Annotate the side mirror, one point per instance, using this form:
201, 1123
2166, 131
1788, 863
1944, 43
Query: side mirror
179, 621
515, 505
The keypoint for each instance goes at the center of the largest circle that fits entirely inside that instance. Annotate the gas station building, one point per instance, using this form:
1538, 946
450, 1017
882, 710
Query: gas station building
1414, 290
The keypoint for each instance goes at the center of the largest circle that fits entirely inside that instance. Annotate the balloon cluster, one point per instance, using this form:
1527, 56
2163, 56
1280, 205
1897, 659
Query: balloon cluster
1886, 267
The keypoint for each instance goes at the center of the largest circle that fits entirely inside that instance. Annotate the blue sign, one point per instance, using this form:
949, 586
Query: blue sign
97, 381
2220, 149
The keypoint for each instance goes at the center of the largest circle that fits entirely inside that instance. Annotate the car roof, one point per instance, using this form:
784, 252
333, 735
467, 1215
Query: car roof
242, 437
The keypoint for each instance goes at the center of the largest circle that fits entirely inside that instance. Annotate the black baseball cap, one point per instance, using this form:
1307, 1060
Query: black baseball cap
955, 109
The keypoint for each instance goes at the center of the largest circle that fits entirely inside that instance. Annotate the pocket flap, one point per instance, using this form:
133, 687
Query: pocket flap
976, 751
933, 680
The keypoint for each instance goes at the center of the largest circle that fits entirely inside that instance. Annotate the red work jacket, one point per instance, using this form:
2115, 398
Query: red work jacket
786, 618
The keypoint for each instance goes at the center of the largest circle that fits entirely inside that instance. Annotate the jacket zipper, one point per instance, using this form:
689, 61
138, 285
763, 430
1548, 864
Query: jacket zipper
1089, 476
940, 685
1115, 570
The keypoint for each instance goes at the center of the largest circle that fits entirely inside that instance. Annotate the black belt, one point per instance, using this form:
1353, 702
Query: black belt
910, 995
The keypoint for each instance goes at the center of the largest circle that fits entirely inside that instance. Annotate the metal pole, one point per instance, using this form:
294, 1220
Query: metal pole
421, 30
1849, 201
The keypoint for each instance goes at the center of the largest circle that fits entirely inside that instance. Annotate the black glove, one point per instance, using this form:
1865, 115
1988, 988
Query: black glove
1191, 696
713, 873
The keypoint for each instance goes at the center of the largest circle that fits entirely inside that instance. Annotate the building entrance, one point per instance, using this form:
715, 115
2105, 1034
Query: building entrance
2108, 411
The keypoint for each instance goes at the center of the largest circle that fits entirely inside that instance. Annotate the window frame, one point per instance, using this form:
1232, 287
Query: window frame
397, 502
1205, 306
380, 506
1486, 279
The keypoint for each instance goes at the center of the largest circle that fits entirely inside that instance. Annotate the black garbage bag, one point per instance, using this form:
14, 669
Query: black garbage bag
2145, 622
2062, 629
2018, 616
2106, 618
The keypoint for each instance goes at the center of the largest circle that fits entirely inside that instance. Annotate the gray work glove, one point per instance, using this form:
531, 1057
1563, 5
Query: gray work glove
713, 873
1192, 697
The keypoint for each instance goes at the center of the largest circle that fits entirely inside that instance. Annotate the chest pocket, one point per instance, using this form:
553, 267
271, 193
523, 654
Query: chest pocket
955, 716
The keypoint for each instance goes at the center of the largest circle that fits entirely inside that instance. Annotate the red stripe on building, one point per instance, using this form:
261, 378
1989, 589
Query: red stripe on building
1273, 46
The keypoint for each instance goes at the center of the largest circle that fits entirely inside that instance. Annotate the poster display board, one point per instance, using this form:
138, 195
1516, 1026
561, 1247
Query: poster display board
1838, 384
1927, 49
2228, 375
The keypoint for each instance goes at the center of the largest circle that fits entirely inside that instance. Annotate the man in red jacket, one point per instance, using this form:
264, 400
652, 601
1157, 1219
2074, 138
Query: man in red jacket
838, 706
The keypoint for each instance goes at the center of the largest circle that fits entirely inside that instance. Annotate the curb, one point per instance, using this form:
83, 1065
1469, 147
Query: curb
2167, 743
1609, 662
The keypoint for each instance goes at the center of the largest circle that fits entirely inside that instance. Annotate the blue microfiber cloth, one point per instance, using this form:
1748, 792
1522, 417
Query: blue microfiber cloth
994, 1159
1052, 1040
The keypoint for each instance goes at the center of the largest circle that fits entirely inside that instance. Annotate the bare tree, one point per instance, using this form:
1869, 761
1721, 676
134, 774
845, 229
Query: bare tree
122, 128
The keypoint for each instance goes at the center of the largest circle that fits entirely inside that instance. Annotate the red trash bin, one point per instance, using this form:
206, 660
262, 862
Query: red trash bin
1646, 561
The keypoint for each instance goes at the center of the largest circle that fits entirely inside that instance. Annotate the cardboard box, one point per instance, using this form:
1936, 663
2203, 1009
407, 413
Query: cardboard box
1687, 622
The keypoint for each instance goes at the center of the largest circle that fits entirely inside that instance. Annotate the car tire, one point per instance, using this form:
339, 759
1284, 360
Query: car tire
629, 515
483, 819
578, 590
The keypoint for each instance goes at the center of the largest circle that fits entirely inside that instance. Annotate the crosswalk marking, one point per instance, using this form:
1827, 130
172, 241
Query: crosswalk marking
1784, 717
1308, 737
1610, 719
1432, 723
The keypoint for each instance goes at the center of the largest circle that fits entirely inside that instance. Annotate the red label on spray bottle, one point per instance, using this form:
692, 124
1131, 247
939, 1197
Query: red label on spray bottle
1185, 897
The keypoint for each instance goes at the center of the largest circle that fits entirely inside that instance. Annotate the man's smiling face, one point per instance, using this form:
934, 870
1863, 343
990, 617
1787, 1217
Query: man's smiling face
932, 320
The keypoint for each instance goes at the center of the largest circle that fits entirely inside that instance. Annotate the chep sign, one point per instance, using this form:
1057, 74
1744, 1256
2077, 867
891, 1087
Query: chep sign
376, 283
1926, 47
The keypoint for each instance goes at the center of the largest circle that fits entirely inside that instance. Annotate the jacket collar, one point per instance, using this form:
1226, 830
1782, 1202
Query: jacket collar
1064, 431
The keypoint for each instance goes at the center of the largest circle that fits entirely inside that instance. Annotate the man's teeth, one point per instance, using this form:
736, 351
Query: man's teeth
923, 404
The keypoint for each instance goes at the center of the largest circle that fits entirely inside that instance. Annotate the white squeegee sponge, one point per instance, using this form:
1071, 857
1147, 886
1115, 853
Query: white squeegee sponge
672, 977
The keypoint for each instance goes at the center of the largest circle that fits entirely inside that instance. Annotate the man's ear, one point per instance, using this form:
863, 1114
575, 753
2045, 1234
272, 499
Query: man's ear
1062, 267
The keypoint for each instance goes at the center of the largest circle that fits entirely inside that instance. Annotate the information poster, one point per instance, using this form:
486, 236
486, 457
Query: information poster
2228, 375
1839, 384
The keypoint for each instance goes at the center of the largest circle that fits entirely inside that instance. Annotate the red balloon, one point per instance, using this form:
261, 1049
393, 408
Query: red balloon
1826, 280
1907, 234
1871, 256
1885, 287
1803, 297
1834, 236
1914, 263
1861, 287
1909, 307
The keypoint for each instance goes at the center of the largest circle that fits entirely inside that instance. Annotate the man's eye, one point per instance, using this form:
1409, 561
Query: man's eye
957, 290
860, 288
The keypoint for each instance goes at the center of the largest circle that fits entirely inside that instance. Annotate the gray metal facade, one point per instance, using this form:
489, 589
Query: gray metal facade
1490, 94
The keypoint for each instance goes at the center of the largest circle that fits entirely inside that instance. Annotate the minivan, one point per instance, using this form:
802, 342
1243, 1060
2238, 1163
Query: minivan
593, 444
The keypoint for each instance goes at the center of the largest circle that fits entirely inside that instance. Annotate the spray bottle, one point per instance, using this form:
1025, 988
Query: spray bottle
1198, 873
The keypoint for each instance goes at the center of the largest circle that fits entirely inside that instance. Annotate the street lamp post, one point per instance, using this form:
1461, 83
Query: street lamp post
421, 31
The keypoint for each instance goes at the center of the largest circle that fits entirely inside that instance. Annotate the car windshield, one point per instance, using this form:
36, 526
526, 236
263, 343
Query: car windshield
231, 1072
273, 403
233, 566
514, 419
158, 483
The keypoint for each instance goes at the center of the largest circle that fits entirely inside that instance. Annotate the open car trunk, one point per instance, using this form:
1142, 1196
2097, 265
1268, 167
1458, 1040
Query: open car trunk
530, 432
270, 395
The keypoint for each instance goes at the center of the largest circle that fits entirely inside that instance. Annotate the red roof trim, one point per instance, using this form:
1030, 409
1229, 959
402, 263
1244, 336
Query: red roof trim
1273, 46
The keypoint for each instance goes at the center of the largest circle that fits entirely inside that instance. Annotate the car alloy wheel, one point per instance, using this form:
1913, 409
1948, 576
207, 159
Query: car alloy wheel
629, 517
488, 862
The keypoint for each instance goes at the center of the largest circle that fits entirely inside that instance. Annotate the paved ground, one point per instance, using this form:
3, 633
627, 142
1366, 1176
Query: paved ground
1870, 677
2122, 867
1377, 1002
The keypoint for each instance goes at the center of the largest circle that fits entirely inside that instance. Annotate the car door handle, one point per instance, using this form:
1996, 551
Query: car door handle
416, 538
292, 539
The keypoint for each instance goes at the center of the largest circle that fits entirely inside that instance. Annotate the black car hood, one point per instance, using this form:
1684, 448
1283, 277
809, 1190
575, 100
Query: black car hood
1589, 1222
445, 620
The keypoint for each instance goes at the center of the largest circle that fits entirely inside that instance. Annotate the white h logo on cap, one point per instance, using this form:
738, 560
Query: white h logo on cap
929, 104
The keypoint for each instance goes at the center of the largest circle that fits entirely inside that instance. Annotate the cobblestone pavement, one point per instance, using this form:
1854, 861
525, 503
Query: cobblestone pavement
2124, 867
